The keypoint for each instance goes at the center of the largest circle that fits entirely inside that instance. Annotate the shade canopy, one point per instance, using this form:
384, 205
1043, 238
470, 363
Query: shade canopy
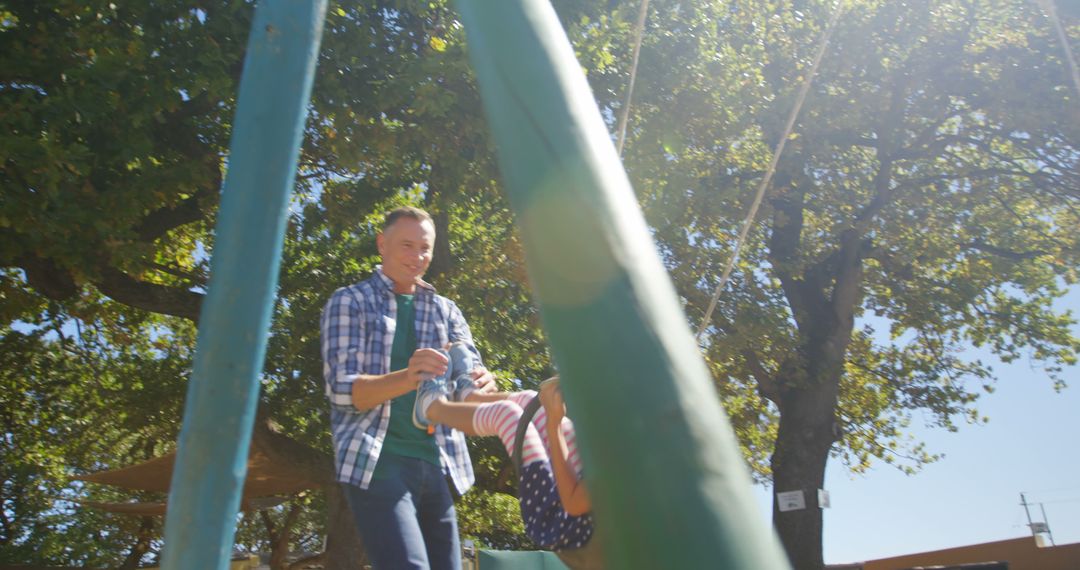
266, 484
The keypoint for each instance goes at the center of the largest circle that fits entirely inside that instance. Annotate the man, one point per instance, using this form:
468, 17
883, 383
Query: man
380, 338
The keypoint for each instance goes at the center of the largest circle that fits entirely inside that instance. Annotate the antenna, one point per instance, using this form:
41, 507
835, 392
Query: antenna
1037, 528
1046, 523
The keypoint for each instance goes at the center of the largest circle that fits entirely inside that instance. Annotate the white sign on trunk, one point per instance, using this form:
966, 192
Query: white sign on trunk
790, 501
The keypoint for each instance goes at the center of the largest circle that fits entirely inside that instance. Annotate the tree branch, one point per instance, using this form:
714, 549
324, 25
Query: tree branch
784, 244
46, 278
158, 222
268, 525
195, 278
149, 296
767, 386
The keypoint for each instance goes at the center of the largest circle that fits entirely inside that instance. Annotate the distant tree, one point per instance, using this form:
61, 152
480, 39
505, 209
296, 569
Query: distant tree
929, 189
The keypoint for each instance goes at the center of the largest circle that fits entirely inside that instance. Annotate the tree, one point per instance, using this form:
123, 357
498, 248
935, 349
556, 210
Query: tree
116, 123
117, 118
930, 184
929, 187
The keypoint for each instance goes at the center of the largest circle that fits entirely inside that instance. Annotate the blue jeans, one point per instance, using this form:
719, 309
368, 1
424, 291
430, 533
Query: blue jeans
407, 519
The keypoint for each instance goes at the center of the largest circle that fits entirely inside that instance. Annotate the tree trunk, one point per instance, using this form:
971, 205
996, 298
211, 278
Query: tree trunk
805, 436
142, 544
823, 297
279, 539
279, 555
344, 551
808, 400
442, 260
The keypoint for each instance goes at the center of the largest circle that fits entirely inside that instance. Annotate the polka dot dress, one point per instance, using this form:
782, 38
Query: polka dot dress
546, 523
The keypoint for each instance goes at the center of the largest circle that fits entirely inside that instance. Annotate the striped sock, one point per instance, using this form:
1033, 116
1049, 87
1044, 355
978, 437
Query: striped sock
540, 421
501, 419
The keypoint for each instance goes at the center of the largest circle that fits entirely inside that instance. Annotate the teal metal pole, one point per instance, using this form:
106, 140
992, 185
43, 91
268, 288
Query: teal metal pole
212, 453
669, 486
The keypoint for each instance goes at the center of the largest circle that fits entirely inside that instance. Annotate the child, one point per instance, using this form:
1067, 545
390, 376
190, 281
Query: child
554, 503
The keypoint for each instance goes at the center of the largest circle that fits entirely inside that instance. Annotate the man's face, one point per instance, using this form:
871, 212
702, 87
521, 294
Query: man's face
406, 248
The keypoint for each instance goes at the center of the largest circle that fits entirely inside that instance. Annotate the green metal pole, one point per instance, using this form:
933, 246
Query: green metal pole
219, 412
669, 486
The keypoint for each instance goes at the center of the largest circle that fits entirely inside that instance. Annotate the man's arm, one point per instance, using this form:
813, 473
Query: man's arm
341, 327
370, 390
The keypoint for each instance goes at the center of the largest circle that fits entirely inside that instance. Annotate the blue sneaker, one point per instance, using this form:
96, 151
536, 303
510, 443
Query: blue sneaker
427, 392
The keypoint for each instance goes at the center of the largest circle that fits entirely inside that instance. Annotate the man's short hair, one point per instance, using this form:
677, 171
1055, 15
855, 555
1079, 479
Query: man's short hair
406, 212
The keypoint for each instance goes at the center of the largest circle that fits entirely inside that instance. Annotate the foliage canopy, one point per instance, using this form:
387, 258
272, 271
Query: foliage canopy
926, 203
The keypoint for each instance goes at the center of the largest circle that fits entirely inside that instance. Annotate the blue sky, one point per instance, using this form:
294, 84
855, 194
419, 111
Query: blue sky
972, 495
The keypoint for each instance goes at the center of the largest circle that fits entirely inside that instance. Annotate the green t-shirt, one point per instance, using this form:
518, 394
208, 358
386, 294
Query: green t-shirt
403, 439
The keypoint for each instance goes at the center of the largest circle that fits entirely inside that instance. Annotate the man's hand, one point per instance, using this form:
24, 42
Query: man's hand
484, 381
426, 363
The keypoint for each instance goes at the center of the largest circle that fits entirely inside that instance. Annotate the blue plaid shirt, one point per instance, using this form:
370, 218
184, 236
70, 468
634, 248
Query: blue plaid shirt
358, 326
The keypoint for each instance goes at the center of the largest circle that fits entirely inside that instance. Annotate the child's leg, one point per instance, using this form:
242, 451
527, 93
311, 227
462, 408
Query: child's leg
458, 415
523, 398
540, 421
462, 362
501, 419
